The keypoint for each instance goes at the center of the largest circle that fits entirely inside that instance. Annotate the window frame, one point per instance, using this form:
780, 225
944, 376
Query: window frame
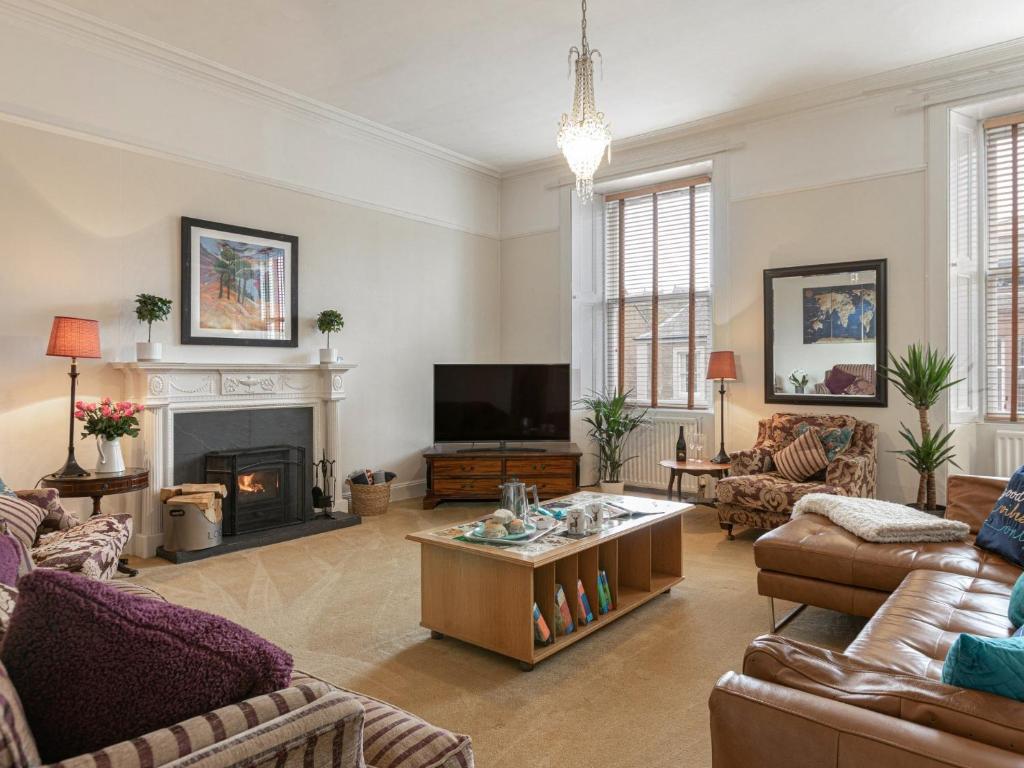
652, 360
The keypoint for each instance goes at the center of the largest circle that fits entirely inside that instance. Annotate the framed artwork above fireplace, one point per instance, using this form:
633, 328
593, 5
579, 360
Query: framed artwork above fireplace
239, 286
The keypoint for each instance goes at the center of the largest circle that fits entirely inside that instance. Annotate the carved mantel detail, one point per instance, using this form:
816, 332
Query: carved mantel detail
168, 388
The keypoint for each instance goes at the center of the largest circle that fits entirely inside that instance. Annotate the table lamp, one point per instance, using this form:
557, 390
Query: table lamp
722, 366
73, 337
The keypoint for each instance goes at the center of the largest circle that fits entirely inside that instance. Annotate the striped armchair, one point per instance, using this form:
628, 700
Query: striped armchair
309, 724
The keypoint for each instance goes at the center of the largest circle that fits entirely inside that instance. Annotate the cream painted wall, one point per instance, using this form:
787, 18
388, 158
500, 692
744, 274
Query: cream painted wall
837, 183
531, 299
881, 218
84, 227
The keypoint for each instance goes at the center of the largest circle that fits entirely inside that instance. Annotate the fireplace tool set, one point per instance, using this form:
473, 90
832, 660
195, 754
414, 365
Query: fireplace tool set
325, 486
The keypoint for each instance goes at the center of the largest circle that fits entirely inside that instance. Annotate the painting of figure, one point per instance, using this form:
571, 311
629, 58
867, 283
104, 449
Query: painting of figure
239, 285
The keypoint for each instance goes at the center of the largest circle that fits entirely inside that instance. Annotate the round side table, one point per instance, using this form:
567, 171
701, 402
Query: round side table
96, 486
699, 469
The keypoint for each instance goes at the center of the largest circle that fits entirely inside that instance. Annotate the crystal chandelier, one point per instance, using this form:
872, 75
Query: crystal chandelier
583, 136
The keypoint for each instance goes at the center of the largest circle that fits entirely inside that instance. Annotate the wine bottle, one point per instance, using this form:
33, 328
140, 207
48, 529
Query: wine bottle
681, 446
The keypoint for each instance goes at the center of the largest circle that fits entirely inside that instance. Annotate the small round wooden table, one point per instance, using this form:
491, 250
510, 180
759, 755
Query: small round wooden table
701, 470
96, 486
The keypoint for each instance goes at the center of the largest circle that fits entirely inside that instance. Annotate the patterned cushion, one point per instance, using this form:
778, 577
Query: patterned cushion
23, 518
5, 489
181, 739
17, 747
396, 739
834, 439
802, 458
15, 560
7, 597
768, 492
91, 548
48, 499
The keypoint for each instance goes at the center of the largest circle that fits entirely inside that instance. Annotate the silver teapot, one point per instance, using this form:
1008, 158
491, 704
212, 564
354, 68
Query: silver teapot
514, 498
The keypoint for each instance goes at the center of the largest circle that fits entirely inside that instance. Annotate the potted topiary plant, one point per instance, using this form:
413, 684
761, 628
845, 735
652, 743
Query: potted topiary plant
612, 421
921, 375
150, 309
329, 321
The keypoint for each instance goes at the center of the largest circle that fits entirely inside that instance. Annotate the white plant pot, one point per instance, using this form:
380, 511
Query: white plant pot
616, 488
148, 350
328, 355
110, 459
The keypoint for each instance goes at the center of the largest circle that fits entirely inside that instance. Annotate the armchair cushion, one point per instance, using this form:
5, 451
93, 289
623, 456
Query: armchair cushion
91, 548
753, 461
803, 458
48, 499
143, 664
768, 491
392, 737
834, 440
22, 517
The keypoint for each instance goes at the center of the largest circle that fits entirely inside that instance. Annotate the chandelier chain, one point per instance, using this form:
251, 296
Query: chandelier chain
586, 47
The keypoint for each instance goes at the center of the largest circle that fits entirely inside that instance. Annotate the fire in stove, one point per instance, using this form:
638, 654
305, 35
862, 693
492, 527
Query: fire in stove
249, 484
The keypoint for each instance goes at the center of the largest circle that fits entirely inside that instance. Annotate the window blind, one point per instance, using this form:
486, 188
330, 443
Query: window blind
1003, 305
658, 293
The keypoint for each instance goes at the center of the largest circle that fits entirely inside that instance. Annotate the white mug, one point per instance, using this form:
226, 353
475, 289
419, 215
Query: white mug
578, 520
595, 510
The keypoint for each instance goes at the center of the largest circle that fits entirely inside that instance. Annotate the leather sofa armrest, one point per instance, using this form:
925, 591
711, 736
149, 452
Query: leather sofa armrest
755, 722
980, 716
752, 461
970, 498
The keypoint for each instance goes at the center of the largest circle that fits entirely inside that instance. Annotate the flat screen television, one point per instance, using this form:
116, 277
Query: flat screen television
500, 402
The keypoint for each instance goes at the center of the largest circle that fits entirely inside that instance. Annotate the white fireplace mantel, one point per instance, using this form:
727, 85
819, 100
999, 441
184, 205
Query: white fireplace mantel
168, 388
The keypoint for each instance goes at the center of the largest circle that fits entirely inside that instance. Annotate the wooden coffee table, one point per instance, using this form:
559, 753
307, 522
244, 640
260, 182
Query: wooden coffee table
484, 594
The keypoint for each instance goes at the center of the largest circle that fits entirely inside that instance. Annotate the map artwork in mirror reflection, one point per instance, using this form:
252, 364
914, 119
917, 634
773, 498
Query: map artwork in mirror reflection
838, 314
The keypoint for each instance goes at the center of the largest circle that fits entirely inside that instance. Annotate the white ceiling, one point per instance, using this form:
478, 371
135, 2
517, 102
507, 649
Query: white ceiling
488, 78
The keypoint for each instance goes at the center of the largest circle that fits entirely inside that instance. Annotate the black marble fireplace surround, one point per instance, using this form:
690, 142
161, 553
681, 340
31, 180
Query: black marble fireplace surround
199, 433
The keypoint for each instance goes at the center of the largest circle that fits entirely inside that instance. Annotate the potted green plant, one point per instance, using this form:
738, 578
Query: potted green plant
150, 309
612, 420
329, 321
921, 375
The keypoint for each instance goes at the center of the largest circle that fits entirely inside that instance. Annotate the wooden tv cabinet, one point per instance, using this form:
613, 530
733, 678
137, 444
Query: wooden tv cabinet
457, 474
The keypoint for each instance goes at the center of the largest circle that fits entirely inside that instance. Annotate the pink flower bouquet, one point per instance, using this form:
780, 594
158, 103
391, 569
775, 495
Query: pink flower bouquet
108, 419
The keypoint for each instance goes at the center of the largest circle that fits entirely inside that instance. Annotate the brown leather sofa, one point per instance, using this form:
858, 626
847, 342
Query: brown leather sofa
881, 702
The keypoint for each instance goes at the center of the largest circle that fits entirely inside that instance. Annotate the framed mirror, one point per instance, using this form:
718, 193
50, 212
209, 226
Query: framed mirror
824, 334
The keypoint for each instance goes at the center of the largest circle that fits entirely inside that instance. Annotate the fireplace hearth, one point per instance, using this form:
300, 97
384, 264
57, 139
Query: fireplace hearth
266, 487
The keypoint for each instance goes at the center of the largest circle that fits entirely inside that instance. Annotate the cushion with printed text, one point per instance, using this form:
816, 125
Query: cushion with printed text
1003, 530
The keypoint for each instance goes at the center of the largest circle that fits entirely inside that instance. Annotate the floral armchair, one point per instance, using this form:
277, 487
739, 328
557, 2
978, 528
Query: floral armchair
755, 495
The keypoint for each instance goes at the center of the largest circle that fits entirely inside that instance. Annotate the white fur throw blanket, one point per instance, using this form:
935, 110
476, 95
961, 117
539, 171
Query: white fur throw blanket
881, 521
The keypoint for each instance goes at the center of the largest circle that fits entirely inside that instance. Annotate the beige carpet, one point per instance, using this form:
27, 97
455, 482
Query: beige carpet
346, 604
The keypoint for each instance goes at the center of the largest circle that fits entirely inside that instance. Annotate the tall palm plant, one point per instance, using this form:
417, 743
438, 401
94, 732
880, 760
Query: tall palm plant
611, 422
921, 375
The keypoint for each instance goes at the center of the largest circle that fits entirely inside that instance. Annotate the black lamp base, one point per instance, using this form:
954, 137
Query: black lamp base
71, 468
721, 457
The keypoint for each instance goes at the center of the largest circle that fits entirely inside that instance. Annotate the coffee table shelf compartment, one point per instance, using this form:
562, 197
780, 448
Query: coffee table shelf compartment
485, 595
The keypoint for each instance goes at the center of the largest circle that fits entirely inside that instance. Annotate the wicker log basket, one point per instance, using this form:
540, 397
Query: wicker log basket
370, 500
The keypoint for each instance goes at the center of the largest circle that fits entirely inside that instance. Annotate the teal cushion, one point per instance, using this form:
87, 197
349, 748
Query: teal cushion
5, 490
834, 440
1016, 612
992, 664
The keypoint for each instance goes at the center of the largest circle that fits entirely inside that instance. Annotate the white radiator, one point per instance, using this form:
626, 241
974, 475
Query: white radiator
657, 442
1009, 451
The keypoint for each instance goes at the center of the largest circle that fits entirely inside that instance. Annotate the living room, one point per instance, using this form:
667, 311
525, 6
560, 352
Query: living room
329, 236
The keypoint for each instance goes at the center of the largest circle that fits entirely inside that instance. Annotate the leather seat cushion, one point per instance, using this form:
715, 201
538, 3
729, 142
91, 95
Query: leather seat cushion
814, 547
913, 630
768, 491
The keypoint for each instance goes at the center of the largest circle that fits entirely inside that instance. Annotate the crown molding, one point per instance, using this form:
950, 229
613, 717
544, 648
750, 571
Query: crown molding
111, 39
977, 72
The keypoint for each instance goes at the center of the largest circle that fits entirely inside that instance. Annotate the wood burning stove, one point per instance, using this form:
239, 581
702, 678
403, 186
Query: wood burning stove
266, 486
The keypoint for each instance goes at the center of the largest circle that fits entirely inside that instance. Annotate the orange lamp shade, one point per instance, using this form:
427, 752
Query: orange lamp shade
722, 365
74, 337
